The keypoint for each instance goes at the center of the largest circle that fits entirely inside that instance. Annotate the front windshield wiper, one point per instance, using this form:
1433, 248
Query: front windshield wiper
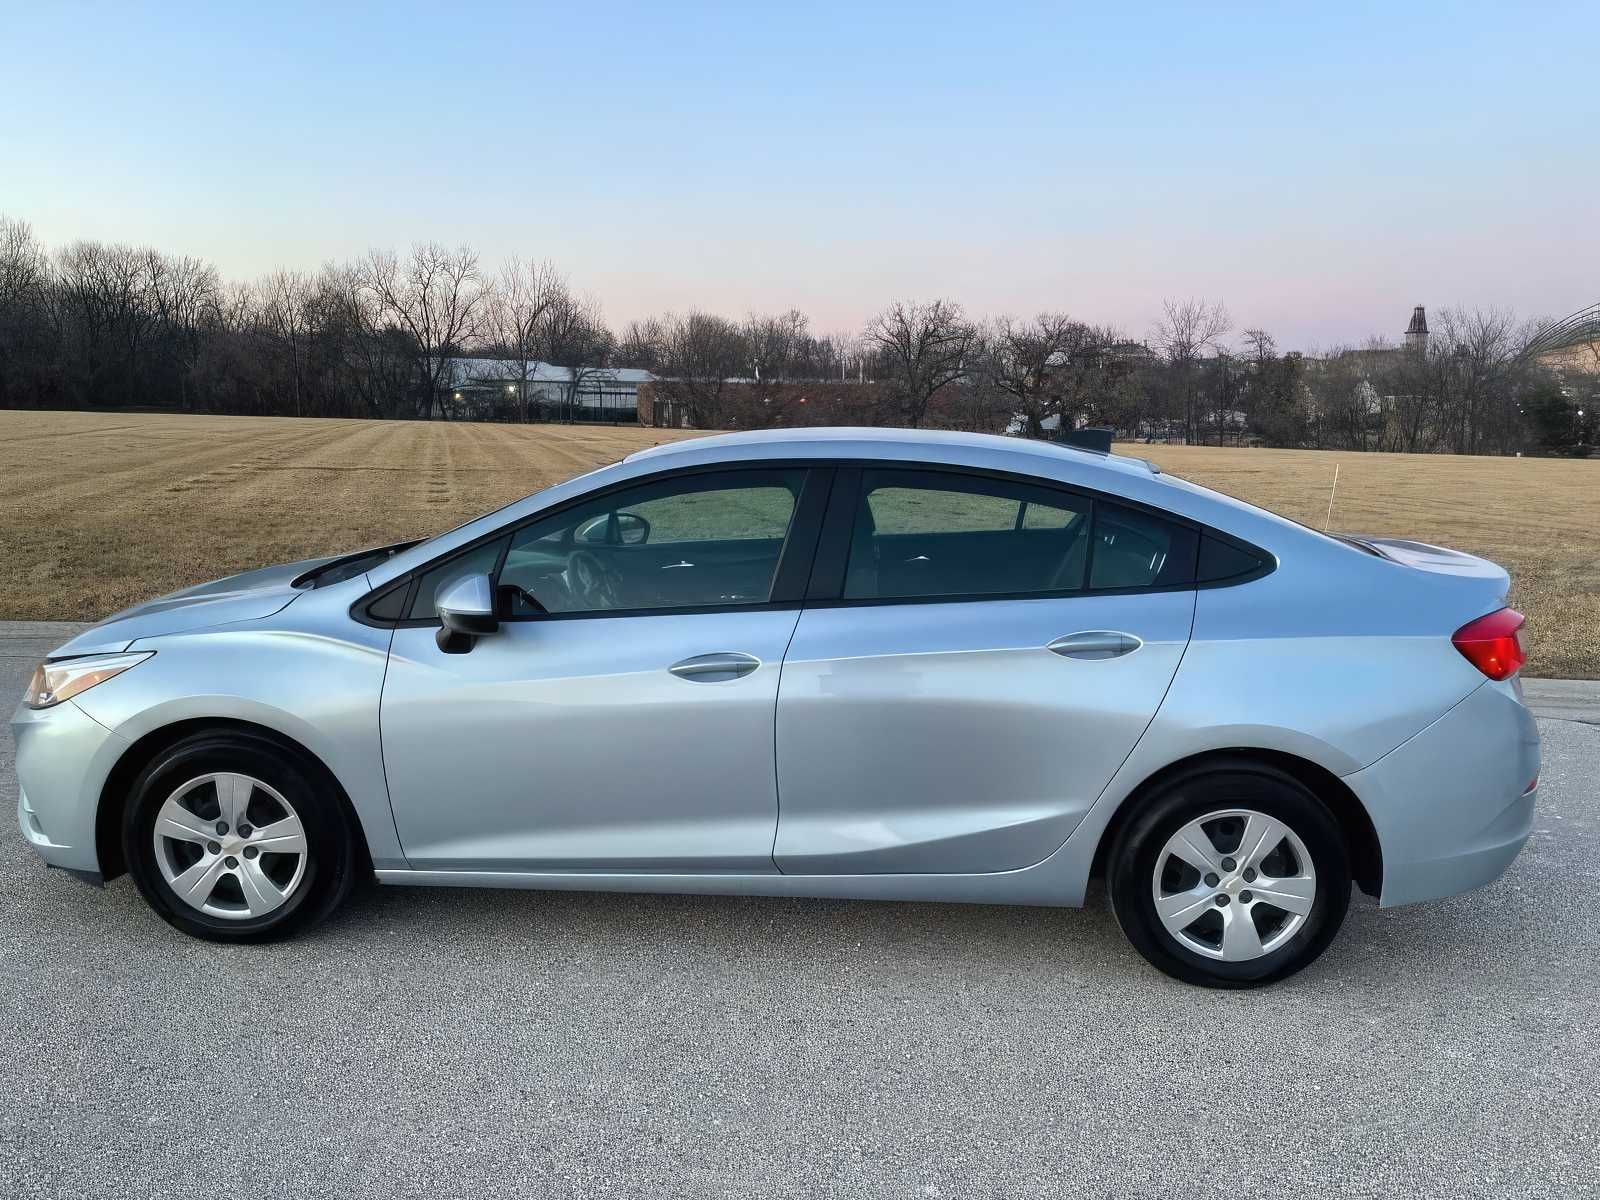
348, 566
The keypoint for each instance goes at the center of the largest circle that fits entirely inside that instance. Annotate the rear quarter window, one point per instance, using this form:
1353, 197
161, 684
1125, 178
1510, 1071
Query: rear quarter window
1133, 549
1221, 561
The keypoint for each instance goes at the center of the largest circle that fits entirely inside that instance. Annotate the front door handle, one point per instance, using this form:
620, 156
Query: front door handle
715, 668
1095, 643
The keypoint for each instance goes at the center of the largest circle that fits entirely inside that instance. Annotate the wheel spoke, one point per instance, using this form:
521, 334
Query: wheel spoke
195, 884
1182, 909
1193, 845
281, 837
233, 797
1293, 894
176, 821
1240, 941
261, 895
1262, 835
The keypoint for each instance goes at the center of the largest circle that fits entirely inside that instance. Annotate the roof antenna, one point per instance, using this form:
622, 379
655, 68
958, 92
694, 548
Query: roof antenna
1096, 441
1332, 492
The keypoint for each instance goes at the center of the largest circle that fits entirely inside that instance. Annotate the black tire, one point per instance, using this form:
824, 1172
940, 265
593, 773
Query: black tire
1132, 862
331, 859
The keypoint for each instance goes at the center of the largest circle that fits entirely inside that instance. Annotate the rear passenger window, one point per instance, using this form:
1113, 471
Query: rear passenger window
923, 510
1133, 549
932, 533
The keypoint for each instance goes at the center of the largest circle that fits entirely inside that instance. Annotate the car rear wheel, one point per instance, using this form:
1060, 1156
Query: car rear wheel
235, 838
1233, 876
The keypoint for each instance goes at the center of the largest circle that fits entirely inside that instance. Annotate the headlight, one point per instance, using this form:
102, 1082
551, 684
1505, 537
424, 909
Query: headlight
54, 682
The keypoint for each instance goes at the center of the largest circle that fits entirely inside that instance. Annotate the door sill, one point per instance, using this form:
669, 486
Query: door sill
1044, 884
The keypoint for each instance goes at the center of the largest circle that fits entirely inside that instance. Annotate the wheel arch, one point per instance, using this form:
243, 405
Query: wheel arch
144, 750
1361, 836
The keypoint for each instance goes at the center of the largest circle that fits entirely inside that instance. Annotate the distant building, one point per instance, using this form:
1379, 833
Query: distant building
1113, 355
1570, 345
492, 388
1417, 331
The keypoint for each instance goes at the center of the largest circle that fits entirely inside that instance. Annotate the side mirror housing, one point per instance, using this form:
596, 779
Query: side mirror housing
466, 613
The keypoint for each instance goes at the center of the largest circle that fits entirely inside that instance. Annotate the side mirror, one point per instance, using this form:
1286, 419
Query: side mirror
632, 529
466, 613
613, 529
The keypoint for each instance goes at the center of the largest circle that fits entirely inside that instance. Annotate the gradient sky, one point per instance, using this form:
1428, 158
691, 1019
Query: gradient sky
1320, 168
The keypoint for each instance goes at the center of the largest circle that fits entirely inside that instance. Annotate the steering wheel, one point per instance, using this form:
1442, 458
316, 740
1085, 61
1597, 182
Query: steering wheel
590, 581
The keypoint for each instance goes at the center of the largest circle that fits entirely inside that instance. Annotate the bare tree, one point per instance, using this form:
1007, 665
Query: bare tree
439, 298
840, 357
572, 333
523, 295
1481, 349
1187, 329
184, 293
377, 358
924, 348
1041, 365
283, 312
26, 335
700, 355
640, 344
779, 346
1260, 346
104, 292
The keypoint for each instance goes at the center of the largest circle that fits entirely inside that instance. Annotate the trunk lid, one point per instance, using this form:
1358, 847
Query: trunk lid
1478, 585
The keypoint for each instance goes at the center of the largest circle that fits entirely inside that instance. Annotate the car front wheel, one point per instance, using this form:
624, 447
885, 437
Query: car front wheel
234, 838
1233, 876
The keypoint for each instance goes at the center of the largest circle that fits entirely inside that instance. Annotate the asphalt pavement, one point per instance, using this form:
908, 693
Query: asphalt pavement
455, 1043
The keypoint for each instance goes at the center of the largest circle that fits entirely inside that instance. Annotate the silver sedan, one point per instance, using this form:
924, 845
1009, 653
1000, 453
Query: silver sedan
846, 663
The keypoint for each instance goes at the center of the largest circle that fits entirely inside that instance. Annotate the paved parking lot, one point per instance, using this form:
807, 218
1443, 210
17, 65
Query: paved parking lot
451, 1043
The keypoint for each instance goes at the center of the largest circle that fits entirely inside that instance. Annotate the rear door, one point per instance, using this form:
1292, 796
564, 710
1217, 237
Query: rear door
977, 657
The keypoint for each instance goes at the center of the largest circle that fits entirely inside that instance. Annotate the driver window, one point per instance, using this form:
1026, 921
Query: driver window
689, 542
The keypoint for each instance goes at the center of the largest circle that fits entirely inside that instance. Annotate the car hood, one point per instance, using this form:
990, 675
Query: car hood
247, 597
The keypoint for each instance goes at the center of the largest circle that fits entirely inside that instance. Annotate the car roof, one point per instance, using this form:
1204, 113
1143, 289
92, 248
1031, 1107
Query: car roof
867, 442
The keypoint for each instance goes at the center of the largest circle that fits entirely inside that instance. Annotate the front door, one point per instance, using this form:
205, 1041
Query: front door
621, 718
993, 653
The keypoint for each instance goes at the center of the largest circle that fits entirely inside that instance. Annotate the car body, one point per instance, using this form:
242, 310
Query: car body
884, 665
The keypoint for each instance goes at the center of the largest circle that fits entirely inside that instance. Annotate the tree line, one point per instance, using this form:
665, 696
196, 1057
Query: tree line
102, 325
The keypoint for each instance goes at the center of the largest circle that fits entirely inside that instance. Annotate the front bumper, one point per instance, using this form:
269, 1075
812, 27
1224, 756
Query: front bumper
1453, 806
64, 757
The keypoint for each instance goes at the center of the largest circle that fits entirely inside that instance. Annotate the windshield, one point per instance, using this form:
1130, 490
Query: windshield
481, 516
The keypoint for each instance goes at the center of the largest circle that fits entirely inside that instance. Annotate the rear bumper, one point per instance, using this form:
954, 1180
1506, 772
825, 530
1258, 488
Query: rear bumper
64, 757
1452, 806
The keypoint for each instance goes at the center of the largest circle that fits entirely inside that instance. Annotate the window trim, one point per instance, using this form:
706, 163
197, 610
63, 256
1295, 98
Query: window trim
819, 542
788, 577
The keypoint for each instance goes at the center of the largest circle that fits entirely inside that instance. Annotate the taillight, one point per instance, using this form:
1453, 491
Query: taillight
1491, 643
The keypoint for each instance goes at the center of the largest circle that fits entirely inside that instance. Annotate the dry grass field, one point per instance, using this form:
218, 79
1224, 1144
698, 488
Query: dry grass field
100, 510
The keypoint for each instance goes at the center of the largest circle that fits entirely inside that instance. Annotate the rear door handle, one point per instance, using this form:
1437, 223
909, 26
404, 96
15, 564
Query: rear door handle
715, 668
1095, 643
